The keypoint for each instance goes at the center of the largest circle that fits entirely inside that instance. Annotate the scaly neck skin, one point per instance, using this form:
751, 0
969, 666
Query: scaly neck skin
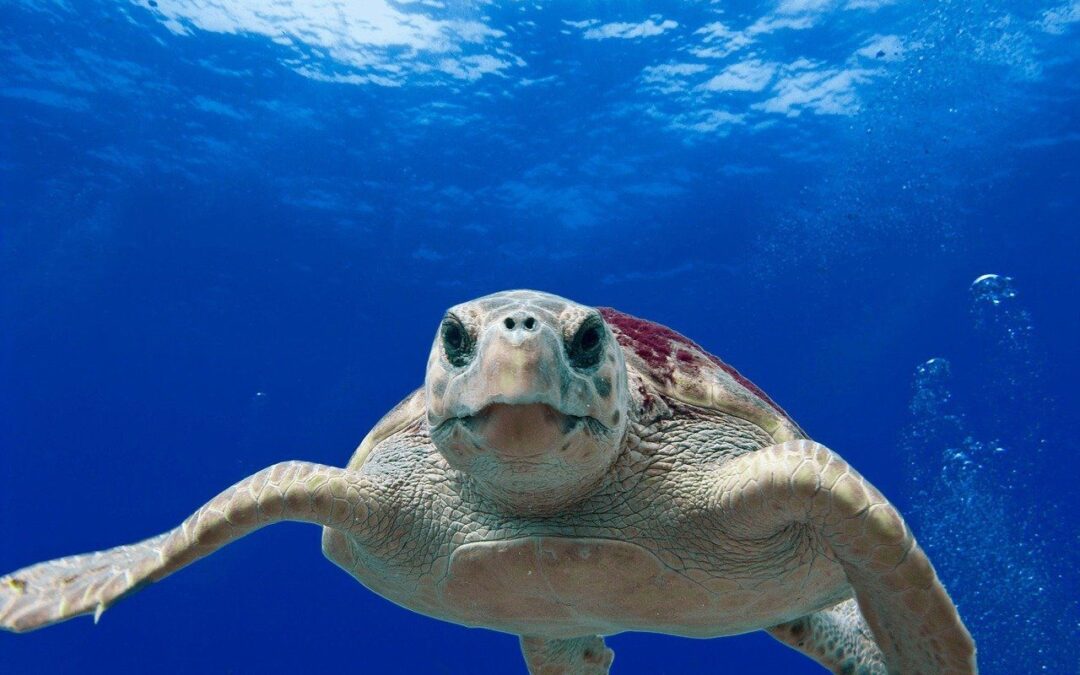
541, 492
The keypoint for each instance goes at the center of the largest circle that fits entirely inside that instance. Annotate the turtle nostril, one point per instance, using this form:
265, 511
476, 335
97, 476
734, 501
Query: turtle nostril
520, 321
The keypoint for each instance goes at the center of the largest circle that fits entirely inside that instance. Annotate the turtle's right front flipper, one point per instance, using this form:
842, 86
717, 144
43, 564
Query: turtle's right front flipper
56, 590
837, 637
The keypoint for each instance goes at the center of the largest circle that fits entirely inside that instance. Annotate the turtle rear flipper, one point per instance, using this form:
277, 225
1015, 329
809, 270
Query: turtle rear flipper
586, 655
53, 591
837, 638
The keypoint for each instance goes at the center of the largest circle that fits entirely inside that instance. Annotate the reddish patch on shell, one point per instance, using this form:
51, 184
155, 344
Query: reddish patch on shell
650, 341
654, 345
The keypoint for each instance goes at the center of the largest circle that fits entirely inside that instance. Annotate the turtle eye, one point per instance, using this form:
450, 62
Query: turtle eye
456, 342
585, 348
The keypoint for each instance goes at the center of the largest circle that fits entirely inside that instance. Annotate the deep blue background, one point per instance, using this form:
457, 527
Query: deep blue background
226, 239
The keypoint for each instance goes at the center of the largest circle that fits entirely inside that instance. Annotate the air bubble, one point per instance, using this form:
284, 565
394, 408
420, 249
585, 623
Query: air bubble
988, 429
932, 383
993, 288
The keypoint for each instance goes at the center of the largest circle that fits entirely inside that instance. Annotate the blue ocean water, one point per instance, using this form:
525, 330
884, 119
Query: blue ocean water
228, 231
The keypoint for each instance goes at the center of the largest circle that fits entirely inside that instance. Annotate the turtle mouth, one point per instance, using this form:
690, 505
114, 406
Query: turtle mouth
522, 430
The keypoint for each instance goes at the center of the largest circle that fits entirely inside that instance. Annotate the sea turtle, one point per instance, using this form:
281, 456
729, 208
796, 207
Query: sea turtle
567, 473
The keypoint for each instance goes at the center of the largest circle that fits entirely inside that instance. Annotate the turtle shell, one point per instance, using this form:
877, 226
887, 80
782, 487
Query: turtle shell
680, 369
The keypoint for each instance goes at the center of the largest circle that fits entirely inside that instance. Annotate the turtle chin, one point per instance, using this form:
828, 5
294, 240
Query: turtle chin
531, 457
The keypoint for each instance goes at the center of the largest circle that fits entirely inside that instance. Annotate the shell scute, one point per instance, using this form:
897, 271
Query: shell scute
688, 373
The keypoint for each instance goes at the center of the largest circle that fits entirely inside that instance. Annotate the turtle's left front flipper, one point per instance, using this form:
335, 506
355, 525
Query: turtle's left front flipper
802, 483
56, 590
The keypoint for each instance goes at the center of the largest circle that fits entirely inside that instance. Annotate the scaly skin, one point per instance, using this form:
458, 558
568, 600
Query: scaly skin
564, 492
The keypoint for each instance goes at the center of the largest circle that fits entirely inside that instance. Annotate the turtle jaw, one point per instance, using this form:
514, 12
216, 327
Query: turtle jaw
529, 432
521, 431
531, 458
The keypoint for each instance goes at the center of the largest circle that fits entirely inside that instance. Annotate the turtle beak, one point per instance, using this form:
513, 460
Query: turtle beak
517, 367
519, 415
511, 407
518, 362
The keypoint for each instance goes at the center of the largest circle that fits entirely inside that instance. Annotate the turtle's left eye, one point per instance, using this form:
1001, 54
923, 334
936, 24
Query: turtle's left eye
456, 341
586, 346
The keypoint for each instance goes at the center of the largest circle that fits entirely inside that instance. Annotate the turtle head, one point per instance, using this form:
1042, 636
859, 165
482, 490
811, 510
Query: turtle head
526, 393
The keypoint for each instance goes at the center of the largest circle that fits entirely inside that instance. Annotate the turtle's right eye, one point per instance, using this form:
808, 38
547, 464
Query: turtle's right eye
456, 342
